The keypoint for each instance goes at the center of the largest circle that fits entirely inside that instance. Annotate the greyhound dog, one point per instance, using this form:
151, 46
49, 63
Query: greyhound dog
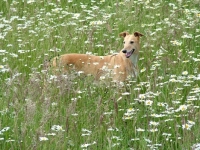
118, 66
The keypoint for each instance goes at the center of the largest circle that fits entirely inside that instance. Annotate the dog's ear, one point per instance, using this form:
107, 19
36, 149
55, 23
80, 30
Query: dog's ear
138, 34
123, 34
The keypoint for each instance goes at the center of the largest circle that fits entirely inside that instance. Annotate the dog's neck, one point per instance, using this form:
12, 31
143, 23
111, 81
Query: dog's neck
134, 60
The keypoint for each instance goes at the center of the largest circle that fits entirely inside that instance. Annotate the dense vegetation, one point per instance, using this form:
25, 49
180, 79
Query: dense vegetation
158, 110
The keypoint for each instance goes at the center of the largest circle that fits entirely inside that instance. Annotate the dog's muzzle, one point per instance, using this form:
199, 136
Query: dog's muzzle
128, 53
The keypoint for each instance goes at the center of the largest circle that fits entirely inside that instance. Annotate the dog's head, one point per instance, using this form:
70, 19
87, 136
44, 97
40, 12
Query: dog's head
131, 43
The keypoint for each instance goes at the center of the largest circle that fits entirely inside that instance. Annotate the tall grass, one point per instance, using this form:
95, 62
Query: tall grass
158, 110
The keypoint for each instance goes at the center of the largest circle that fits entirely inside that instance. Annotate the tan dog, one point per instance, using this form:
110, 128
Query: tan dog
117, 66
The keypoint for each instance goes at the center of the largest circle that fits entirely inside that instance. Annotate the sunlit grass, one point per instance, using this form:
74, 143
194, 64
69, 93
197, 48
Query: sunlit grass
158, 110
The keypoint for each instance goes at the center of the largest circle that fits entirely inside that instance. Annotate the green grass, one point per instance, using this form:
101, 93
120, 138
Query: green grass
158, 110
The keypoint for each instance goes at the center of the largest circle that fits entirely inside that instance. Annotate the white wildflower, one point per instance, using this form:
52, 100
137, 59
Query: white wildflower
140, 130
182, 108
126, 93
187, 126
154, 123
142, 96
143, 70
43, 138
148, 102
185, 73
57, 128
5, 129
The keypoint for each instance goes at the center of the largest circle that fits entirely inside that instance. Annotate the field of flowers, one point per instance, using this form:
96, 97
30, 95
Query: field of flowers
158, 110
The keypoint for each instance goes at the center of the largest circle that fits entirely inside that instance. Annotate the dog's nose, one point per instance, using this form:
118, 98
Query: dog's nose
124, 51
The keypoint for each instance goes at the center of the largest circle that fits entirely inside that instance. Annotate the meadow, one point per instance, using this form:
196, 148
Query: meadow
160, 109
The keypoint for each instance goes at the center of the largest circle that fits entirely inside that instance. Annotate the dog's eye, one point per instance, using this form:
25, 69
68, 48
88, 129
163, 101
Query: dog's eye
132, 42
123, 42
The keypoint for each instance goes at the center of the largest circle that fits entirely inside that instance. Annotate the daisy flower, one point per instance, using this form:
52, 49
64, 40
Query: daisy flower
148, 102
43, 139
